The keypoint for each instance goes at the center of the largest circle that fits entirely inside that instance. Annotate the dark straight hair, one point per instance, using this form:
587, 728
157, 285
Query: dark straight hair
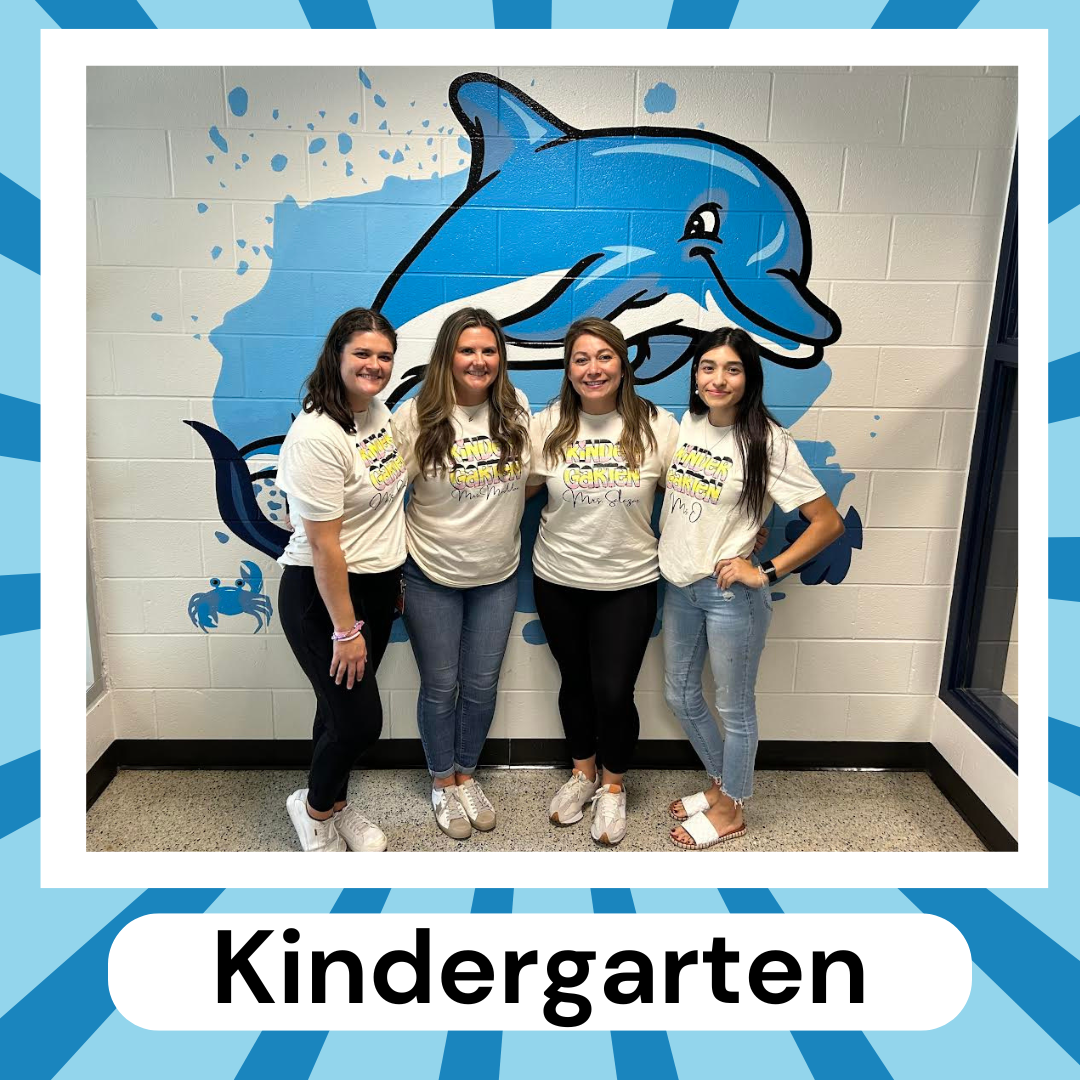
325, 392
754, 424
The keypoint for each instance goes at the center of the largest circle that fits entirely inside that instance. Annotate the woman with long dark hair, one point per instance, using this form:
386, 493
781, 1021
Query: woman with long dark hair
600, 449
465, 438
733, 462
341, 574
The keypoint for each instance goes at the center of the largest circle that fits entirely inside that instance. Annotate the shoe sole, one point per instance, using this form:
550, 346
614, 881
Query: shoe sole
294, 807
554, 819
483, 828
443, 829
712, 843
603, 839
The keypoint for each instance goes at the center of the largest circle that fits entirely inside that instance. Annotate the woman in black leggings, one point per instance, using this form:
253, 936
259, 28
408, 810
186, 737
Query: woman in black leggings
600, 449
344, 478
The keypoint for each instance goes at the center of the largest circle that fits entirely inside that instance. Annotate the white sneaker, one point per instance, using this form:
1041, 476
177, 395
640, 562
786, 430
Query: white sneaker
566, 807
450, 814
477, 806
609, 815
314, 835
358, 833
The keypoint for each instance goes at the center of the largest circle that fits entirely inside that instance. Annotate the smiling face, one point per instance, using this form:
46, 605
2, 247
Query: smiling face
721, 383
595, 372
366, 363
475, 365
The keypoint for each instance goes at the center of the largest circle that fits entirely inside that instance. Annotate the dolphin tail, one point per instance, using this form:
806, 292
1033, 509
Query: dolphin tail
236, 500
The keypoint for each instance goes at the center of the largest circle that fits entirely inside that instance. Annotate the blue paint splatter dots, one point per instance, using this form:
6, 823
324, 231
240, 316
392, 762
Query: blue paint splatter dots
398, 157
533, 633
241, 243
873, 434
274, 505
236, 167
434, 157
661, 98
244, 158
383, 127
269, 251
156, 316
218, 140
344, 143
430, 141
242, 268
354, 118
198, 337
877, 417
238, 101
273, 517
384, 154
701, 125
424, 123
275, 114
255, 249
363, 78
202, 208
348, 168
269, 221
194, 318
311, 127
210, 158
215, 251
380, 101
322, 114
222, 538
316, 146
278, 162
463, 144
221, 183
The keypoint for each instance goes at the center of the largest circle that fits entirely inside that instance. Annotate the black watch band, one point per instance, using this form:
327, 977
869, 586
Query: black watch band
770, 571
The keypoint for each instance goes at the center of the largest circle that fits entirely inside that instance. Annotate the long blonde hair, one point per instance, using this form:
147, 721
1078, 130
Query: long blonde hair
436, 399
636, 412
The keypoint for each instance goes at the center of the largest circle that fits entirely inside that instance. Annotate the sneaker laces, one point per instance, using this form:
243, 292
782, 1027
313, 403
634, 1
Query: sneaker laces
474, 795
606, 804
355, 819
447, 802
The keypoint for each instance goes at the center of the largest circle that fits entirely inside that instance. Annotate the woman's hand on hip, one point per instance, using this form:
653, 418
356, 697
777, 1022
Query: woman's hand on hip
742, 570
349, 661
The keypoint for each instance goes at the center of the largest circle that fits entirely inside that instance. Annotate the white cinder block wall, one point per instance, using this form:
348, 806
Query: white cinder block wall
904, 175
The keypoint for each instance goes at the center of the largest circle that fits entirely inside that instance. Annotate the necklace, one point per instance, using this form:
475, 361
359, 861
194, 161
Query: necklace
726, 434
472, 411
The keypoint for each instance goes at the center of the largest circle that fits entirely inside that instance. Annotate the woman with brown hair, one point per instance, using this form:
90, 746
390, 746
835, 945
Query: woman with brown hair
465, 438
342, 566
601, 450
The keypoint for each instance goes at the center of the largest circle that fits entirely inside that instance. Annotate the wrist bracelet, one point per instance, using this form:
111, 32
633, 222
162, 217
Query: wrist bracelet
348, 635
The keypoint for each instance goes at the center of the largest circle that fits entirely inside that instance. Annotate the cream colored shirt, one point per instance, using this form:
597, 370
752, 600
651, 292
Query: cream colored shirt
361, 478
701, 522
462, 525
596, 531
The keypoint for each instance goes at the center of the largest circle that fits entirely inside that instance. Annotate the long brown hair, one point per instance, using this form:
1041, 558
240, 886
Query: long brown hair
435, 400
325, 392
636, 412
755, 426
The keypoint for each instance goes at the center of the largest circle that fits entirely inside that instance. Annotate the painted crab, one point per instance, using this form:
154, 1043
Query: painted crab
244, 596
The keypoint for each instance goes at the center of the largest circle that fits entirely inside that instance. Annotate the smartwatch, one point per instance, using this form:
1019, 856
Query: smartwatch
770, 571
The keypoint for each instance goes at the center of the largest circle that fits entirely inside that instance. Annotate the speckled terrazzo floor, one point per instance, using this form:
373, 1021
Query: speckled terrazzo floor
791, 811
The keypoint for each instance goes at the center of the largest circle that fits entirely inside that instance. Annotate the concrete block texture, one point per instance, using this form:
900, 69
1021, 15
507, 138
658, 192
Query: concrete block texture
902, 173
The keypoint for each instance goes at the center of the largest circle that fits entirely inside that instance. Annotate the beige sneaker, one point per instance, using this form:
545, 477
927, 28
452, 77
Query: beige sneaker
477, 806
609, 815
566, 807
314, 834
449, 813
358, 833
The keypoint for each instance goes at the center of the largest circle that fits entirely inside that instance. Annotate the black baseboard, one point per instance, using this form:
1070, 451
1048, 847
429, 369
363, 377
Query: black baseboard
774, 754
967, 804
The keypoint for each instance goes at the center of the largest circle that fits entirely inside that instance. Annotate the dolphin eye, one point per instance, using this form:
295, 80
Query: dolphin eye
215, 581
239, 582
704, 224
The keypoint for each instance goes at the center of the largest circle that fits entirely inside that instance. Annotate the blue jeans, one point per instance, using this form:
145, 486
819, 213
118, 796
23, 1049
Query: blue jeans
458, 638
730, 624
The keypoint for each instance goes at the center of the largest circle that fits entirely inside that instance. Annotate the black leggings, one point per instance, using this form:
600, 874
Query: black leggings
598, 640
346, 722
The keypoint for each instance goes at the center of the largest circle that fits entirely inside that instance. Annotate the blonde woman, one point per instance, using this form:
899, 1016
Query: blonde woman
465, 438
601, 450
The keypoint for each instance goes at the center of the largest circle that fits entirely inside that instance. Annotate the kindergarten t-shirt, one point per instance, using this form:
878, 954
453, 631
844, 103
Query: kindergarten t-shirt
595, 531
359, 478
462, 524
701, 522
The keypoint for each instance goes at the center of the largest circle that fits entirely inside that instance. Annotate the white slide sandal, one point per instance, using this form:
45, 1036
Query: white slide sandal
704, 834
692, 804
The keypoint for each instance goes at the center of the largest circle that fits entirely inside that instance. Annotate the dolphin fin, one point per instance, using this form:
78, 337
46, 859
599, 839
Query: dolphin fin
237, 505
499, 119
652, 356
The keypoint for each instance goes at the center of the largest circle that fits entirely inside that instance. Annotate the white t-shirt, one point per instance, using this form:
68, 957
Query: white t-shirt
596, 531
359, 478
462, 524
701, 522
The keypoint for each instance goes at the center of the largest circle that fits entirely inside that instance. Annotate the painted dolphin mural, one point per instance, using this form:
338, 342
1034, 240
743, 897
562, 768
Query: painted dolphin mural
667, 232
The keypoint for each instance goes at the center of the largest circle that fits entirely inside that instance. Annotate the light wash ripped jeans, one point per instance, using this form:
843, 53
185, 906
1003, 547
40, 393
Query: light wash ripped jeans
730, 624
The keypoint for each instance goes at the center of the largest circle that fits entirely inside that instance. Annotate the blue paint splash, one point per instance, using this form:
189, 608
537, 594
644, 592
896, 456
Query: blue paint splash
255, 249
194, 318
363, 78
398, 157
242, 268
275, 114
269, 220
380, 101
463, 144
354, 118
660, 99
348, 168
311, 127
344, 143
202, 208
222, 538
384, 154
238, 101
278, 162
269, 251
215, 251
198, 337
241, 243
383, 127
210, 158
322, 114
316, 146
155, 316
218, 140
244, 158
533, 633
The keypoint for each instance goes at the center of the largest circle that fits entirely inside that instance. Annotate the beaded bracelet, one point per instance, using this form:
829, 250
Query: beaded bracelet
348, 635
